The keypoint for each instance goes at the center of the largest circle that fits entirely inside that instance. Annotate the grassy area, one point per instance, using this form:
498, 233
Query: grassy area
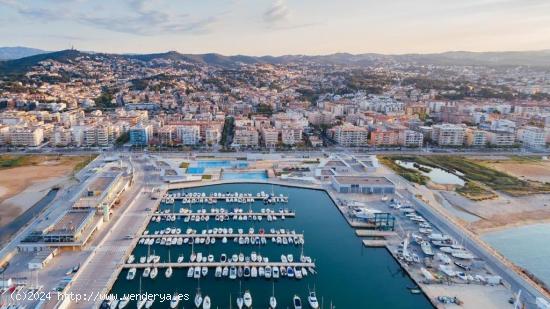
82, 164
206, 177
476, 175
13, 161
184, 165
409, 174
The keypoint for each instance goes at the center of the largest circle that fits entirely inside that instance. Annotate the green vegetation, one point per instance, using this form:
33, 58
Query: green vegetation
123, 139
184, 165
227, 133
265, 109
206, 177
8, 161
409, 174
477, 176
82, 164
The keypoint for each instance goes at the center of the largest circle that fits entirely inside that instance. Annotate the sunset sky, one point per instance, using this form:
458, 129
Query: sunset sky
276, 27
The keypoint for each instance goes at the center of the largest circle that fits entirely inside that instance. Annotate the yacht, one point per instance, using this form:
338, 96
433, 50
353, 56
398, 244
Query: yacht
149, 303
233, 272
272, 299
175, 300
131, 259
131, 274
225, 271
247, 298
240, 302
154, 273
123, 302
198, 299
146, 272
206, 303
141, 302
297, 302
168, 272
204, 271
190, 272
426, 248
218, 272
312, 300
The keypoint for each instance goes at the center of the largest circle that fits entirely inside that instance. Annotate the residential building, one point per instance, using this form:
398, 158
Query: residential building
532, 137
270, 137
27, 136
410, 138
384, 137
476, 137
349, 135
188, 135
449, 134
501, 138
246, 136
140, 134
291, 135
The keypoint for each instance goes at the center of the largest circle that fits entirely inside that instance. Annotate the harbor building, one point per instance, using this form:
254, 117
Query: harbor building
363, 184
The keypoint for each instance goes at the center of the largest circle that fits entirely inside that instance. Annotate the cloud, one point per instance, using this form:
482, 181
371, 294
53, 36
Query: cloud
140, 18
278, 12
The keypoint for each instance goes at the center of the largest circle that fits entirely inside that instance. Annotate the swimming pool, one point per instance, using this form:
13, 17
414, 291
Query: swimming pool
195, 170
221, 164
261, 175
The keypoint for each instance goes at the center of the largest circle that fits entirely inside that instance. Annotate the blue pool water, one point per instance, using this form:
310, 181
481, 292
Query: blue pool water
195, 170
245, 175
221, 164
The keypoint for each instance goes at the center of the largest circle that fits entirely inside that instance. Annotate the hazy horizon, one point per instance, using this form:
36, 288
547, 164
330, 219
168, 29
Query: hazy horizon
277, 27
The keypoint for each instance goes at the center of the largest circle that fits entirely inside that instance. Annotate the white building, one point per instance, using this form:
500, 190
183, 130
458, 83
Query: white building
24, 136
476, 137
448, 134
188, 135
270, 137
410, 138
532, 137
291, 135
349, 135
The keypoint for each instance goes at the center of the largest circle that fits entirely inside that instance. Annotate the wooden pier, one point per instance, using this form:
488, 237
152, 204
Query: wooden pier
268, 235
220, 264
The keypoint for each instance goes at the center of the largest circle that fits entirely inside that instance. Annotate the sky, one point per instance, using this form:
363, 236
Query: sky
276, 27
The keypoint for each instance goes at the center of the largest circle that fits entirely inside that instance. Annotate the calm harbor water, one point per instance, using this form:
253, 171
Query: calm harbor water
349, 275
527, 246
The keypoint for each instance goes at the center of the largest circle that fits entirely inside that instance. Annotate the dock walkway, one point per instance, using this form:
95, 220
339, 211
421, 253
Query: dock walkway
216, 264
268, 235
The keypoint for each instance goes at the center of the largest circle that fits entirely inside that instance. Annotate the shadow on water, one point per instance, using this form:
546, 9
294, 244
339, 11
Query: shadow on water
13, 227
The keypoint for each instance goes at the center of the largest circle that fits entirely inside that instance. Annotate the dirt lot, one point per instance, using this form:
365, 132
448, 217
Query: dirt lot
31, 178
531, 170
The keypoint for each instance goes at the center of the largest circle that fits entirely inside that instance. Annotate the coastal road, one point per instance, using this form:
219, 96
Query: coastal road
98, 272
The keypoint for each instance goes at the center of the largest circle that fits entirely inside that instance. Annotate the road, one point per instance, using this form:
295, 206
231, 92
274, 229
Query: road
100, 269
477, 247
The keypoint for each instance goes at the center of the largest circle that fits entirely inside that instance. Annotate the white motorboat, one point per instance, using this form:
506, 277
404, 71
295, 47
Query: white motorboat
146, 272
198, 299
131, 259
233, 272
190, 272
168, 272
240, 302
426, 248
272, 299
154, 273
247, 298
218, 272
131, 274
180, 258
141, 303
175, 300
149, 303
312, 300
123, 302
204, 271
206, 303
297, 302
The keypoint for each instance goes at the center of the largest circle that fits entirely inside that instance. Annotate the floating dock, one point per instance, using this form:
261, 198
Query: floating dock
231, 214
220, 264
374, 243
268, 235
374, 233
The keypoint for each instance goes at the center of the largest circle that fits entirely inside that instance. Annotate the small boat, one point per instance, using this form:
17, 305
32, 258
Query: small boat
131, 259
240, 302
218, 272
154, 273
123, 302
180, 258
149, 303
312, 300
233, 272
131, 273
198, 299
297, 302
272, 299
204, 271
206, 303
247, 298
190, 272
168, 272
175, 300
141, 303
146, 272
114, 304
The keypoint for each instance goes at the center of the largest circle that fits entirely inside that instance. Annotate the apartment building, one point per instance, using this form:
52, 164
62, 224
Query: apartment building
532, 137
384, 137
270, 137
140, 134
25, 136
246, 136
448, 134
167, 135
188, 135
501, 138
212, 135
349, 135
292, 135
62, 137
476, 137
97, 135
4, 135
410, 138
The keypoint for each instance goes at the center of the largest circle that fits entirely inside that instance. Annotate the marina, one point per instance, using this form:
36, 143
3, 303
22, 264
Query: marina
232, 272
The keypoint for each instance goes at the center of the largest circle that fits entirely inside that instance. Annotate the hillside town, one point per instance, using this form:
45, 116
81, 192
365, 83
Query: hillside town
73, 99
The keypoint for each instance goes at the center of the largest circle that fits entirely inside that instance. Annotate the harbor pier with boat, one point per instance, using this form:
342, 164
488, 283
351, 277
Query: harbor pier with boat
291, 257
